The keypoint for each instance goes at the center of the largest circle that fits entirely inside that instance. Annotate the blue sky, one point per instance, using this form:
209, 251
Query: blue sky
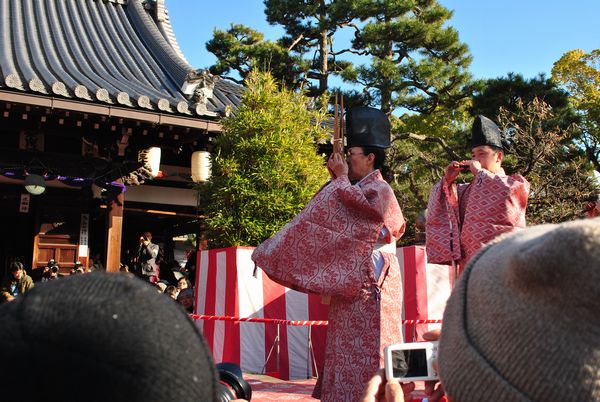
521, 36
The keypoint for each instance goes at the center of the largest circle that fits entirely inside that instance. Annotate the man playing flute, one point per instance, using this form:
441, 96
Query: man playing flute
462, 218
343, 246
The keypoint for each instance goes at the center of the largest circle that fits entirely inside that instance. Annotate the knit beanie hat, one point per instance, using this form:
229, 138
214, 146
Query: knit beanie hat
523, 323
102, 337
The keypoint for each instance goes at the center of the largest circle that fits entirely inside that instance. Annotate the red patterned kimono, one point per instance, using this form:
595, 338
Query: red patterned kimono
327, 249
462, 218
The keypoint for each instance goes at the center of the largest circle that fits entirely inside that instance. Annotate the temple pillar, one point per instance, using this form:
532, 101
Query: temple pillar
114, 233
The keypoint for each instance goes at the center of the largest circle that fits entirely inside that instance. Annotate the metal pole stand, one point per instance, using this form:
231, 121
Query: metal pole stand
275, 343
311, 356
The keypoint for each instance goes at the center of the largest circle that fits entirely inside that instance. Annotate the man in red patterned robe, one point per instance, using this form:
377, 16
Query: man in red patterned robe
462, 218
343, 245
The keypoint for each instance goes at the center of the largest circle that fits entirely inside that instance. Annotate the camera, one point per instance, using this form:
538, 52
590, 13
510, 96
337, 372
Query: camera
51, 271
232, 384
411, 361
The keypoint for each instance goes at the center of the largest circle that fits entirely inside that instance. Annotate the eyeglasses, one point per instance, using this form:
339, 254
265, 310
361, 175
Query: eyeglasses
349, 154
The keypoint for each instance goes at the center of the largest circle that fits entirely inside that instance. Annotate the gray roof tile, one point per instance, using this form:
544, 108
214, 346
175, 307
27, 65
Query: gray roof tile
111, 52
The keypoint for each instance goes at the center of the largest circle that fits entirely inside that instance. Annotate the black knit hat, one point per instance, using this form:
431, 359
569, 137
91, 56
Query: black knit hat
485, 132
102, 337
367, 127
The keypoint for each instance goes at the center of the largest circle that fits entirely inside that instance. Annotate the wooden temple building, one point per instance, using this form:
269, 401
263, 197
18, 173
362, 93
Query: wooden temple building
90, 92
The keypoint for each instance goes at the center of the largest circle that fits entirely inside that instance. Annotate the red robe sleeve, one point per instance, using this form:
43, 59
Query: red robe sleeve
496, 204
326, 249
442, 233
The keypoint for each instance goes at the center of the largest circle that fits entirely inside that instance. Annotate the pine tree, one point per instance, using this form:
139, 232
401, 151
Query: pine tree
242, 49
310, 27
417, 62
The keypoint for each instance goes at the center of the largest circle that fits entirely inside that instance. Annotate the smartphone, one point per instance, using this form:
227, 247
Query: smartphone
411, 361
465, 168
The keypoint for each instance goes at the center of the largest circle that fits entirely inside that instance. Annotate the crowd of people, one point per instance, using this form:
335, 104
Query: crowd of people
174, 282
521, 324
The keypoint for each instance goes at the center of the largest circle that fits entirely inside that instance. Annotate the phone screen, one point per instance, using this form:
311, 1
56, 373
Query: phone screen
409, 363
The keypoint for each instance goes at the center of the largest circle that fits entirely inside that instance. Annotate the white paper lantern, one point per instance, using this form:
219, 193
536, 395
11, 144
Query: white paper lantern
35, 184
200, 166
154, 159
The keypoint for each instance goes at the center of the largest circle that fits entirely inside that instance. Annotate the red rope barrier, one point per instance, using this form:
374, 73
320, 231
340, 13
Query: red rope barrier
254, 319
288, 322
421, 321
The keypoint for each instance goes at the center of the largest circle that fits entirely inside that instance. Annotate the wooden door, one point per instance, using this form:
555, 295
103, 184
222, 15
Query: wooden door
61, 248
58, 238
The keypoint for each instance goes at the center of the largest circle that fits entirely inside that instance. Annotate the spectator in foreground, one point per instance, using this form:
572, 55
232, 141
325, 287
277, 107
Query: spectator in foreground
105, 341
523, 322
15, 283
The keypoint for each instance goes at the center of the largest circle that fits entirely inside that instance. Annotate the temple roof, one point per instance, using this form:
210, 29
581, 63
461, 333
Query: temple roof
111, 52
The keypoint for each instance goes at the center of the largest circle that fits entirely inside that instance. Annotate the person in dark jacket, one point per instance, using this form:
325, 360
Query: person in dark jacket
16, 282
147, 267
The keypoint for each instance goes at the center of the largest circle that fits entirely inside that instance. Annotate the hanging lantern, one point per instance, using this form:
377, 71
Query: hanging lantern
151, 159
35, 184
154, 159
200, 166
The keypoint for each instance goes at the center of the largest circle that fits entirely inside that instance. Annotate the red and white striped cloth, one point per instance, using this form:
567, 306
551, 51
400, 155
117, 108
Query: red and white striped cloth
426, 289
226, 286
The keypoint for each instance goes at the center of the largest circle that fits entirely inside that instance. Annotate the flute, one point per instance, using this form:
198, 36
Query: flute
338, 146
338, 126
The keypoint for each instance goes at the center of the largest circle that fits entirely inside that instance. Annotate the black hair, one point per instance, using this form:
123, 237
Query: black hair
16, 266
379, 154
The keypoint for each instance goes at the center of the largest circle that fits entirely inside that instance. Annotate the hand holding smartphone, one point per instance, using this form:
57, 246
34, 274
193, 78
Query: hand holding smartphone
411, 361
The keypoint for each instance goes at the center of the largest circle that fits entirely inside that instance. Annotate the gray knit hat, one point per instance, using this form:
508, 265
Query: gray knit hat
523, 323
102, 337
